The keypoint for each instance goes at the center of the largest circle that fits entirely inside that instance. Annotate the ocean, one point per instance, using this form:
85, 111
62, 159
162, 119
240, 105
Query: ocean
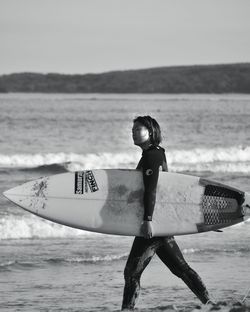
48, 267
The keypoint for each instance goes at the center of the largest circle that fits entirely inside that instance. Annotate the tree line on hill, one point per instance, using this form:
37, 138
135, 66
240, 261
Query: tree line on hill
225, 78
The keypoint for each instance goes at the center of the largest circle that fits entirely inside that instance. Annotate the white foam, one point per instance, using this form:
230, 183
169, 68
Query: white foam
102, 160
93, 259
206, 155
14, 227
228, 159
190, 250
30, 226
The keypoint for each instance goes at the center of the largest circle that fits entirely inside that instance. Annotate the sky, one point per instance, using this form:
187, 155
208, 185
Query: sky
93, 36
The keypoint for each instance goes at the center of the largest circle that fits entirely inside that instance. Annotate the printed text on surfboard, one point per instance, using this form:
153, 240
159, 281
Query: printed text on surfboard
85, 180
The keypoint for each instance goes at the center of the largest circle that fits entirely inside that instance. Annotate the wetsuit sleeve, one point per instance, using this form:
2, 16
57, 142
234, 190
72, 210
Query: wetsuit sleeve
164, 163
150, 169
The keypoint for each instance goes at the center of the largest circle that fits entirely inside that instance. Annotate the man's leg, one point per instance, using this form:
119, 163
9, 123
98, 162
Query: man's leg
171, 255
140, 255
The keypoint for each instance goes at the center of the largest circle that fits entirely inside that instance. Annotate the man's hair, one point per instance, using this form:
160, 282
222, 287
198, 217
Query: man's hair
152, 125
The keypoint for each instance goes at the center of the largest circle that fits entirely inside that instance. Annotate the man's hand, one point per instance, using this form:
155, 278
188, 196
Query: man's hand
147, 229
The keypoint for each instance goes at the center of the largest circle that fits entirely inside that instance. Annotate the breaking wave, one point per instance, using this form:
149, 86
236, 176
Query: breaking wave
89, 259
229, 159
33, 227
29, 227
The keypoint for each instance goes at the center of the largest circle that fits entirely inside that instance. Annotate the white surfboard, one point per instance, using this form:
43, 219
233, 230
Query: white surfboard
111, 202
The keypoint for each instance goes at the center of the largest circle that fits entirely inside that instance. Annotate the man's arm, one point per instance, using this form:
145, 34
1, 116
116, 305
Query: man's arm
150, 178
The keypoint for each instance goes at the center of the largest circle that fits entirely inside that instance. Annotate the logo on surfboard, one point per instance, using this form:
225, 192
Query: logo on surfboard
84, 181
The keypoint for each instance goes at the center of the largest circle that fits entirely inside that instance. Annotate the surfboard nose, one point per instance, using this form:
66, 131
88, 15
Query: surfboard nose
20, 195
28, 196
13, 191
14, 194
5, 194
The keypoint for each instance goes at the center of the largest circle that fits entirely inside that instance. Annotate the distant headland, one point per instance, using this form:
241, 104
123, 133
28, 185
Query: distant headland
224, 78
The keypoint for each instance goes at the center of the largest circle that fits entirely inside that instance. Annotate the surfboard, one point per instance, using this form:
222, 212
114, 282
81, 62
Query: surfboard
111, 202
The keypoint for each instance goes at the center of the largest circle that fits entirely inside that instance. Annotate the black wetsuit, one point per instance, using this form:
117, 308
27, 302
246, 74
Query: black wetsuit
152, 159
165, 247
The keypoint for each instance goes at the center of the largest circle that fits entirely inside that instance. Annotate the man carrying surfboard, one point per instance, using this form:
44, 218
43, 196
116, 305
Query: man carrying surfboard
146, 134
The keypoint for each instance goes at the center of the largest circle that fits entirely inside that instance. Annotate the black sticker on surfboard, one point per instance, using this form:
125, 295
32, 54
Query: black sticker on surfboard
89, 176
79, 182
84, 181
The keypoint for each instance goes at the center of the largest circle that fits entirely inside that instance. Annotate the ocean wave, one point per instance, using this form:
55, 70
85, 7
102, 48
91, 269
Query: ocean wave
205, 155
30, 227
6, 264
19, 264
187, 251
227, 159
70, 161
89, 259
51, 168
217, 250
94, 259
126, 97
